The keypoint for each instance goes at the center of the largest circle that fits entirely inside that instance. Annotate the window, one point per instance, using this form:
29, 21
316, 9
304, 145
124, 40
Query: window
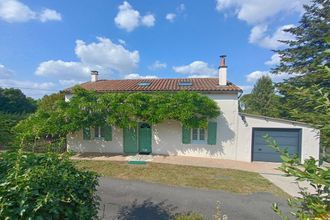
103, 133
98, 134
185, 83
198, 135
144, 83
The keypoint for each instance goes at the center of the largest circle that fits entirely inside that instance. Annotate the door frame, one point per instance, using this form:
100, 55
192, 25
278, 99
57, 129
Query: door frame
254, 129
138, 137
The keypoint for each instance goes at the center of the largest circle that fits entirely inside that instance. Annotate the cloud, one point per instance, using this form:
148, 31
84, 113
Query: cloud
258, 36
246, 88
259, 14
274, 60
170, 17
29, 88
157, 65
259, 11
138, 76
254, 76
103, 55
5, 72
69, 83
15, 11
128, 18
63, 70
196, 69
148, 20
50, 15
121, 41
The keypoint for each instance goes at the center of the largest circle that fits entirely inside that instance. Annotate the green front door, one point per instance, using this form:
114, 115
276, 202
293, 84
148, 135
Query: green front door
144, 138
130, 140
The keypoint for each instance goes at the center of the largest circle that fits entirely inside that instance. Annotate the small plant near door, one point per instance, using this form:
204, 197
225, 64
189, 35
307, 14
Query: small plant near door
314, 205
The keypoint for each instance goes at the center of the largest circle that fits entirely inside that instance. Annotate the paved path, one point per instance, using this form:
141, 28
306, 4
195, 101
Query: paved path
266, 169
123, 199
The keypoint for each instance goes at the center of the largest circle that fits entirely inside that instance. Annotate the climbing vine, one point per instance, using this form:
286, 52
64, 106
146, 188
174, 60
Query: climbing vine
89, 108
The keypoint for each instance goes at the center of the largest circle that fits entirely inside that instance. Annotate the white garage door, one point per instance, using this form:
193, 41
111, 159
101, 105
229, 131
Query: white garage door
286, 138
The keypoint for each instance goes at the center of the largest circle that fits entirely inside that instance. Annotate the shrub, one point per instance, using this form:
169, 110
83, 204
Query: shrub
310, 205
45, 186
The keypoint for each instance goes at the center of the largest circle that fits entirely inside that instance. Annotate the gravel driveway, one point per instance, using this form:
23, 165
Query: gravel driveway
123, 199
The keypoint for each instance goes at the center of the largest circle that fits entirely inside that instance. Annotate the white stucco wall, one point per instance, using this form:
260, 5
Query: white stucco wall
234, 136
76, 143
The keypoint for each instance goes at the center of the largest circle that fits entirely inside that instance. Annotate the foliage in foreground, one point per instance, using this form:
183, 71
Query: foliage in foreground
89, 109
314, 205
45, 186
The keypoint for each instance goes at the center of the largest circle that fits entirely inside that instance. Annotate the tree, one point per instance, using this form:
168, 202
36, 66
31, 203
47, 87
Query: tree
262, 100
14, 101
307, 57
305, 52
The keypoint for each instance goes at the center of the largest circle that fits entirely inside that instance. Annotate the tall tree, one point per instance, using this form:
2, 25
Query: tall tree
307, 57
14, 101
262, 100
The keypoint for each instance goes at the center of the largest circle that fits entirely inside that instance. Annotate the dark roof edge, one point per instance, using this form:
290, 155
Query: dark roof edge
278, 119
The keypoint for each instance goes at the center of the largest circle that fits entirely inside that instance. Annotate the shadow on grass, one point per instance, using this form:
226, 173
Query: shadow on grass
146, 210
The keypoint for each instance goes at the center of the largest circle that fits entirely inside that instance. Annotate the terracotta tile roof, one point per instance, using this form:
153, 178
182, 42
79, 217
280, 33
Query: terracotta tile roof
132, 85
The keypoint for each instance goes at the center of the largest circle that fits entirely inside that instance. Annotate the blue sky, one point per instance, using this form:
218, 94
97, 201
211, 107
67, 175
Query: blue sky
46, 46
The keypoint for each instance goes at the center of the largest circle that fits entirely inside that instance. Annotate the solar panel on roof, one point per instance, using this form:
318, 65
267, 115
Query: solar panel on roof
144, 83
185, 83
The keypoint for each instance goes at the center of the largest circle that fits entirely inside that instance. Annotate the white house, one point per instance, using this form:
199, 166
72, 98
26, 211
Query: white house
232, 135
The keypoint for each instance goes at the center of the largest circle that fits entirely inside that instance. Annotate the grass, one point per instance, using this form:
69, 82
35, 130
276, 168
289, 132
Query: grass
229, 180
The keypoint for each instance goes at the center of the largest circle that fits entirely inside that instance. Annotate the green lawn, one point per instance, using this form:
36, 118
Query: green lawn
187, 176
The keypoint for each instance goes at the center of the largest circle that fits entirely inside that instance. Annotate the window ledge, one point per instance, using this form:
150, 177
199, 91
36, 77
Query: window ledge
198, 142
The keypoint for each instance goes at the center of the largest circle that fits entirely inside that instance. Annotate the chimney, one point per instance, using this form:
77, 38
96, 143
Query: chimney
94, 76
222, 71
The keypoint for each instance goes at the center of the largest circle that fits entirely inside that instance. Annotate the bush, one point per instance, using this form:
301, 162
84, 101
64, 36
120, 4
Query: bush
188, 216
45, 186
7, 123
314, 205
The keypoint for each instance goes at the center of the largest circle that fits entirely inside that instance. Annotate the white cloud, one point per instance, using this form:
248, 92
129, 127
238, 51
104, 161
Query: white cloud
29, 88
254, 76
128, 18
258, 36
15, 11
157, 65
170, 17
260, 11
121, 41
274, 60
69, 83
246, 88
138, 76
63, 70
50, 15
5, 72
196, 69
148, 20
200, 76
103, 55
260, 14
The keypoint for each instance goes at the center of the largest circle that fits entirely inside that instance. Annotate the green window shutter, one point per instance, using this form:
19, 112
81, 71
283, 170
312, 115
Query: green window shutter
186, 135
106, 132
212, 133
87, 133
